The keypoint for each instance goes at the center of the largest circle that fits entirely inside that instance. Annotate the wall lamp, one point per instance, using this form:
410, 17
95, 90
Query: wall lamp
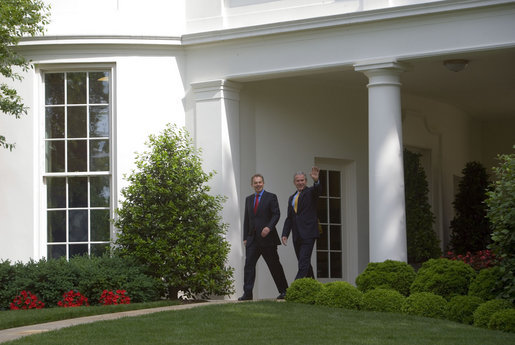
456, 65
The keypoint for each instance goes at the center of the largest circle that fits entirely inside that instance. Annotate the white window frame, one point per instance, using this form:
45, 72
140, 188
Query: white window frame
40, 202
349, 214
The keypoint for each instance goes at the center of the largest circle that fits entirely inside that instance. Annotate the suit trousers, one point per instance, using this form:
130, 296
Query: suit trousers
303, 250
269, 253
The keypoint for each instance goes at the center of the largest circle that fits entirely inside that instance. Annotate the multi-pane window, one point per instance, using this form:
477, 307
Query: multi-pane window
329, 245
77, 163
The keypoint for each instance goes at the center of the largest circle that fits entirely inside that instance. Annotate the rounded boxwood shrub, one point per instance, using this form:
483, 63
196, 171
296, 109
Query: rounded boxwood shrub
503, 320
425, 304
485, 283
443, 277
303, 290
339, 294
390, 274
388, 300
485, 311
461, 308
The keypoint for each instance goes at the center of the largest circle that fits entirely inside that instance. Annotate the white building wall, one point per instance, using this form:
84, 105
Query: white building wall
148, 92
158, 18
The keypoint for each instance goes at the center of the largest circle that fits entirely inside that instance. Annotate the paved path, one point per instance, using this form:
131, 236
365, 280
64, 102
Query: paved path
18, 332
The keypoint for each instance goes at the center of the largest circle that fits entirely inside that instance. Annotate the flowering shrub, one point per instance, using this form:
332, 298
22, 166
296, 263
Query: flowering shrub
26, 300
109, 297
479, 260
73, 299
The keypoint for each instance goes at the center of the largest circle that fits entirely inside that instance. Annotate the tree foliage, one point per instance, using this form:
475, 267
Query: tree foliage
501, 212
470, 228
423, 244
18, 18
169, 222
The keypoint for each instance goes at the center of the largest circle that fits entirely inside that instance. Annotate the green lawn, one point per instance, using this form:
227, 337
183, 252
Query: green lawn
18, 318
270, 322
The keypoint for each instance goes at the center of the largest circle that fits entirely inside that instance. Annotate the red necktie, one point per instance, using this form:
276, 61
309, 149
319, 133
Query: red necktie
256, 202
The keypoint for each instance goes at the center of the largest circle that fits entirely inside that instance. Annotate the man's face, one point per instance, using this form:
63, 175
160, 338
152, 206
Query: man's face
258, 184
299, 182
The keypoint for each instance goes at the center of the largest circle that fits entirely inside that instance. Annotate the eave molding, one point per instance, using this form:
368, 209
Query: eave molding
217, 36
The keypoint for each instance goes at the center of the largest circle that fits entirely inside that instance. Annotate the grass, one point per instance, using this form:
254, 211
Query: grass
270, 322
18, 318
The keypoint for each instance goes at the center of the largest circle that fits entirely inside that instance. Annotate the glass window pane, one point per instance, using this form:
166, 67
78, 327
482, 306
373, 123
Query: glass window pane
77, 155
54, 154
322, 265
56, 192
100, 191
336, 237
78, 192
99, 87
99, 249
334, 211
78, 250
322, 241
322, 210
55, 252
334, 183
76, 88
56, 226
100, 229
77, 122
99, 121
99, 155
336, 265
54, 88
54, 122
323, 181
78, 225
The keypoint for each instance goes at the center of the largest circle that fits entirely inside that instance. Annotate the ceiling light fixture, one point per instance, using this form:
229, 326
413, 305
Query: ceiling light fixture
456, 65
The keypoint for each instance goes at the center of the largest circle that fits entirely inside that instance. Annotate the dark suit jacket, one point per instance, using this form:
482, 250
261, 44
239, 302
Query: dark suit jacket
304, 223
267, 215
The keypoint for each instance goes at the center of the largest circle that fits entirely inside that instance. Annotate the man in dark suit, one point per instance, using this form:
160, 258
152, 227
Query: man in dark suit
302, 220
260, 237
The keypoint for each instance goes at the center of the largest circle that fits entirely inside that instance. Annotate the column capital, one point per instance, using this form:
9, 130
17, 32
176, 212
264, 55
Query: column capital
381, 72
216, 89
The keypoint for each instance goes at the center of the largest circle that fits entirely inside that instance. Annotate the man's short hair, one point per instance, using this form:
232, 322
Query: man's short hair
300, 173
254, 176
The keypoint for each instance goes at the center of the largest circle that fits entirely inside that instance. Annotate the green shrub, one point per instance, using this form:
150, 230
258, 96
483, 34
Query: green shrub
461, 308
443, 277
391, 274
387, 300
501, 213
169, 221
423, 244
49, 280
485, 284
114, 273
425, 304
485, 311
470, 228
503, 320
339, 294
304, 290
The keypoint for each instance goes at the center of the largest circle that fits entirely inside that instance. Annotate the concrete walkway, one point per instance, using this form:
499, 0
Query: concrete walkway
18, 332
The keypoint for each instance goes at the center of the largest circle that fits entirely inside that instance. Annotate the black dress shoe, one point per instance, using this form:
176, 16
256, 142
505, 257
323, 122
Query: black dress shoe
245, 298
282, 295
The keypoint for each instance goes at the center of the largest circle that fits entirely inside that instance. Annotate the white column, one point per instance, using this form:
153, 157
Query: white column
216, 133
387, 212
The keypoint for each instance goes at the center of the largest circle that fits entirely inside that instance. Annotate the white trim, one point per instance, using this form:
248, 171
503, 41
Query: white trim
40, 227
349, 214
345, 19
